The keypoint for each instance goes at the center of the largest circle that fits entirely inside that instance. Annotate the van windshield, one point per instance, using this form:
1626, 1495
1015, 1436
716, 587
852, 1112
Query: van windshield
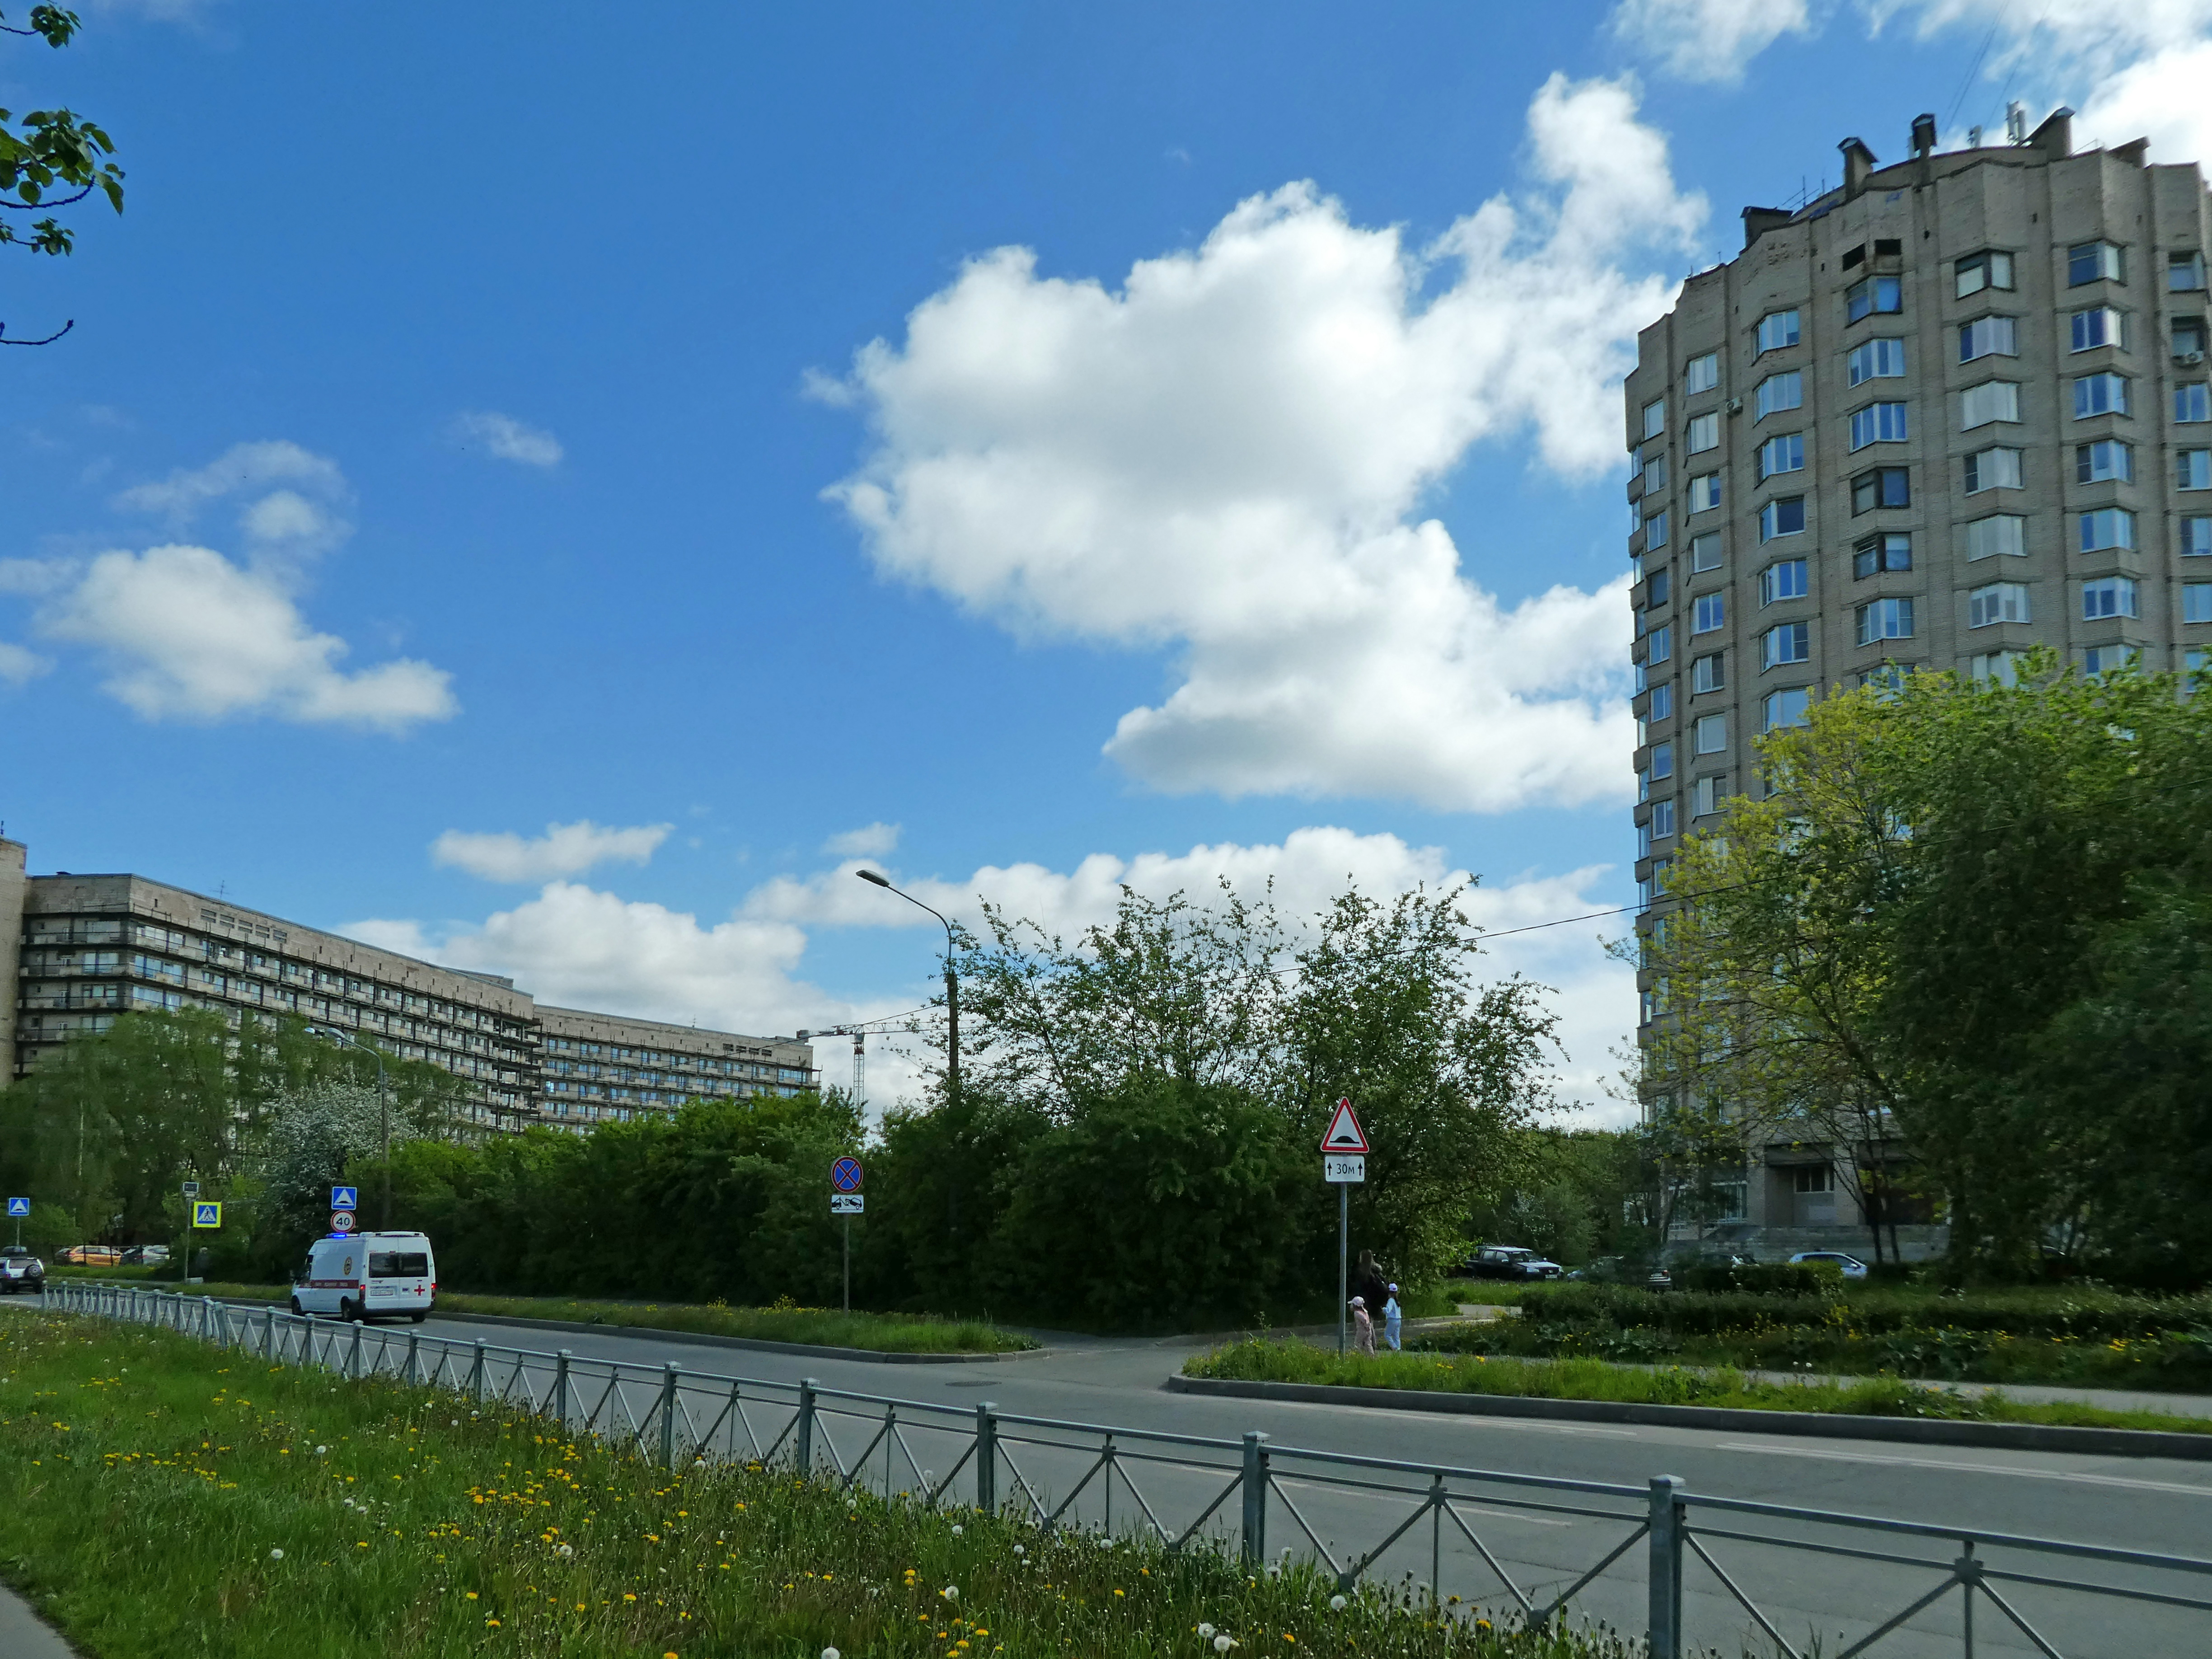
399, 1264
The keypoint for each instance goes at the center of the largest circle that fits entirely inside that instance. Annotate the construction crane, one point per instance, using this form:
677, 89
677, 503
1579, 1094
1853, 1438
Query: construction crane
858, 1033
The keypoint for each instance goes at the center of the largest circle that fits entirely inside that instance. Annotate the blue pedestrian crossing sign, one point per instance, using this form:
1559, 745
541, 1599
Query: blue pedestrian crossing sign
207, 1215
345, 1198
19, 1207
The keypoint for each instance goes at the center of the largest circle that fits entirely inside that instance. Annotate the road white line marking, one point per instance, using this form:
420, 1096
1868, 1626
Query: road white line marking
1950, 1467
1435, 1419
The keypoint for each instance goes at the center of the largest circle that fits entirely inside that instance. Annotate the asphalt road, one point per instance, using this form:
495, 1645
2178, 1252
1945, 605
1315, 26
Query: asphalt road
2162, 1506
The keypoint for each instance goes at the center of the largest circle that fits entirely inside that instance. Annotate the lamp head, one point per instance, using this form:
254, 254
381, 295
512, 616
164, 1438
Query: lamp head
870, 875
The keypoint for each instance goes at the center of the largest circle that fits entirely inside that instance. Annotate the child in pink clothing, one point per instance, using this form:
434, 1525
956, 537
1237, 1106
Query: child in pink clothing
1363, 1327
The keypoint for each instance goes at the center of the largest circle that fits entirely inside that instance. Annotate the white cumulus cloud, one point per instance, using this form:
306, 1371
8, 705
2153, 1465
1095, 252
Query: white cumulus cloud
2166, 98
565, 849
1225, 454
1710, 40
192, 636
18, 664
871, 840
300, 518
508, 438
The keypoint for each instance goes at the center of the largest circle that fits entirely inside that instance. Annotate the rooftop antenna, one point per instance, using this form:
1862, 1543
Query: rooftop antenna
2016, 123
1973, 138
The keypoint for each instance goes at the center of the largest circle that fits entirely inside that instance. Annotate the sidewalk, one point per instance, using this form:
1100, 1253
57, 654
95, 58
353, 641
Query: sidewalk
24, 1636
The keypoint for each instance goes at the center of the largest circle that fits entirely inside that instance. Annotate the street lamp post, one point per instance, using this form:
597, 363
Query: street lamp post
383, 1109
952, 989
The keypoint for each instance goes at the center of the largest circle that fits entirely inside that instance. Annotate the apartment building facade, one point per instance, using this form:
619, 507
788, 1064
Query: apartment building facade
1956, 407
76, 951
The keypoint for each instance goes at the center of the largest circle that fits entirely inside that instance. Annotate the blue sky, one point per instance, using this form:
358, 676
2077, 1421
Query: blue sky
463, 433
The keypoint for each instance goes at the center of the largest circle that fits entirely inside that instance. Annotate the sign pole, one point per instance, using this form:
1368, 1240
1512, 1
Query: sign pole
848, 1264
1343, 1261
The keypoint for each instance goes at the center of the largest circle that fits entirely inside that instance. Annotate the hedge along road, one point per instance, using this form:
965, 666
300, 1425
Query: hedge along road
2152, 1505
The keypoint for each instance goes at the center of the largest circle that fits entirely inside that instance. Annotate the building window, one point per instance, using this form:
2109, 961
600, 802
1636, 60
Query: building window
1875, 554
1789, 707
2100, 325
1785, 579
1876, 359
1874, 296
1878, 423
2092, 262
2108, 596
1708, 613
2191, 403
2099, 394
2184, 272
1786, 517
1704, 433
1885, 486
2106, 528
2107, 461
1992, 469
2099, 660
1782, 453
1710, 733
1663, 702
1790, 642
1999, 602
1702, 374
1663, 761
1655, 474
2001, 666
1705, 551
1656, 590
2196, 537
1655, 417
1885, 619
1777, 329
1777, 393
2188, 339
2192, 469
1988, 337
1707, 673
1993, 400
1654, 529
1706, 795
1661, 646
1979, 271
2197, 602
1705, 492
1663, 819
2001, 534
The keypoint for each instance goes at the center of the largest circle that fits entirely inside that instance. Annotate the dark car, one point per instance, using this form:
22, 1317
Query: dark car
1508, 1261
19, 1270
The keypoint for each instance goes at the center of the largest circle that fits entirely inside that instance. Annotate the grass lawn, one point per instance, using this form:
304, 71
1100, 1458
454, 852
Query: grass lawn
823, 1327
1597, 1379
160, 1497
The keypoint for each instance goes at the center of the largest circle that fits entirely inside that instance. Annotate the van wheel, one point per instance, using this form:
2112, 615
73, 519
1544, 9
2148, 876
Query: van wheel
350, 1312
296, 1308
417, 1318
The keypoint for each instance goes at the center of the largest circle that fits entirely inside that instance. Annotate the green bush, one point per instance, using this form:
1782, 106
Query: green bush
2068, 1315
1762, 1277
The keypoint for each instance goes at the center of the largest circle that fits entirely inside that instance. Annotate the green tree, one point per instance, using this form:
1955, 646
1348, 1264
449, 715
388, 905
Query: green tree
50, 159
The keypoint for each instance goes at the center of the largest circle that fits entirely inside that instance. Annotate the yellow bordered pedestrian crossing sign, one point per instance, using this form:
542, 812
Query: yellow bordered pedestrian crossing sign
207, 1215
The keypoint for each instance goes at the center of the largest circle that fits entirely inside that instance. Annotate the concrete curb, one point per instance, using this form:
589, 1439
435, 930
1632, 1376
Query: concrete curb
1914, 1430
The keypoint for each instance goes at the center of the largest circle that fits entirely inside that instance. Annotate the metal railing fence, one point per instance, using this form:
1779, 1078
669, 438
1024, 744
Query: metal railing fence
1429, 1524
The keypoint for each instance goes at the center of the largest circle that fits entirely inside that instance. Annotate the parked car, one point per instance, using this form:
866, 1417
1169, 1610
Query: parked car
1852, 1268
92, 1255
145, 1255
1621, 1270
1508, 1261
19, 1270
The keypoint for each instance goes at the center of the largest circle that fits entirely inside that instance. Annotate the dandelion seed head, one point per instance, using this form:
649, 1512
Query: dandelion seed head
276, 1555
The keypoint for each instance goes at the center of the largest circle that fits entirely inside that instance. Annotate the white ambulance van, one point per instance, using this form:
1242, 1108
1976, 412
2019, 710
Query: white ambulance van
368, 1276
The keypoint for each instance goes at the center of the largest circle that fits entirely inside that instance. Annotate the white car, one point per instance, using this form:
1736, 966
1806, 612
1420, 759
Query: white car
362, 1276
1852, 1266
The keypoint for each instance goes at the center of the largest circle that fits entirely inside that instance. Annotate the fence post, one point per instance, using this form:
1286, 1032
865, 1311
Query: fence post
987, 1457
806, 1386
268, 1331
475, 1375
353, 1354
414, 1341
1255, 1498
561, 1389
1665, 1637
668, 1417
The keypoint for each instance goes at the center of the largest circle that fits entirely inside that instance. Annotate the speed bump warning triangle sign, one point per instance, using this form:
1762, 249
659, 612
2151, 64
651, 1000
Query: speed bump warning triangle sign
1345, 1134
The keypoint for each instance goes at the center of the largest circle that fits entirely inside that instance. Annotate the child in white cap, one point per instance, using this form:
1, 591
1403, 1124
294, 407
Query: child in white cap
1393, 1320
1363, 1327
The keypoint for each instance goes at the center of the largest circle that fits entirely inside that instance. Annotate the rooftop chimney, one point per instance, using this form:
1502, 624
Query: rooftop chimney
2055, 138
1858, 164
1924, 136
